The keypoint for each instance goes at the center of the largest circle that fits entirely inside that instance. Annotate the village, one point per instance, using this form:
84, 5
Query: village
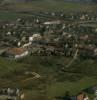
71, 35
58, 34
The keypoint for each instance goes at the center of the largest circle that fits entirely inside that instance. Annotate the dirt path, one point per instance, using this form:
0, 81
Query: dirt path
35, 76
74, 58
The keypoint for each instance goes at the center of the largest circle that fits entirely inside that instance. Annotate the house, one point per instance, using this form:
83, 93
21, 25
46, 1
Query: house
82, 17
52, 22
35, 37
9, 94
95, 52
86, 51
26, 45
83, 37
16, 53
8, 33
53, 14
91, 90
83, 96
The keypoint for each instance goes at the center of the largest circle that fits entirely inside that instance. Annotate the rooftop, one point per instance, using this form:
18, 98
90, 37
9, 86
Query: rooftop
16, 51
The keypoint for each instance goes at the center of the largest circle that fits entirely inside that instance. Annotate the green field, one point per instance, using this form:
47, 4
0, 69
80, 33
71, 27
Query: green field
50, 5
11, 11
9, 15
55, 6
53, 82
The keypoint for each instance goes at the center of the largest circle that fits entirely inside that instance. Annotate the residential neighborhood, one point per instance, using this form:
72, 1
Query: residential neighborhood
48, 55
58, 34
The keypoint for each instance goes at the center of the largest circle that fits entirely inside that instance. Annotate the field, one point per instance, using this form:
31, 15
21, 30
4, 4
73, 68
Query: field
55, 6
13, 11
49, 5
53, 81
9, 15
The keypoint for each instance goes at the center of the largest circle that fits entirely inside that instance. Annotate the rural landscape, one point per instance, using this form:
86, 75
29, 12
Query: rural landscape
48, 50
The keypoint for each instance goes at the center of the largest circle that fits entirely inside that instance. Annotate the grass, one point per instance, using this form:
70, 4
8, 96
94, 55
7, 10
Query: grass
59, 88
53, 82
54, 6
8, 67
12, 10
7, 15
50, 5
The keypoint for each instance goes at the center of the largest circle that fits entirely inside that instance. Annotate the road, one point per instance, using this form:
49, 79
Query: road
36, 76
74, 58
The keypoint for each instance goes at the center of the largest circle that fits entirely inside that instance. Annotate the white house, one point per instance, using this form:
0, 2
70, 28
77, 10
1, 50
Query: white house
26, 45
35, 37
8, 33
52, 22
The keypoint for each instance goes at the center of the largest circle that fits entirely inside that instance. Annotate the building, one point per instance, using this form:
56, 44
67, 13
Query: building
52, 22
10, 94
83, 96
16, 53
